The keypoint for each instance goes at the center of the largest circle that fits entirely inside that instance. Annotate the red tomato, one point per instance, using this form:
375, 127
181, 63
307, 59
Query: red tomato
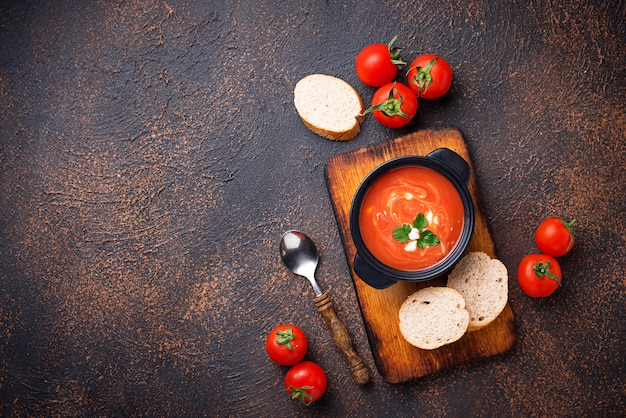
306, 381
378, 64
539, 275
429, 76
555, 237
286, 344
393, 105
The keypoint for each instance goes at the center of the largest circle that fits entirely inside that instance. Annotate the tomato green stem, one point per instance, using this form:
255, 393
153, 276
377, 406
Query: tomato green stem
542, 269
285, 338
422, 79
569, 225
301, 394
391, 106
394, 53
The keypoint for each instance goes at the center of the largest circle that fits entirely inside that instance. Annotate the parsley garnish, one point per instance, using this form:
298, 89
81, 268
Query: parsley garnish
416, 232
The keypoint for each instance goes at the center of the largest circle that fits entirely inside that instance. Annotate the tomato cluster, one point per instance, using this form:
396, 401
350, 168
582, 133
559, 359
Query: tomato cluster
539, 275
395, 104
305, 380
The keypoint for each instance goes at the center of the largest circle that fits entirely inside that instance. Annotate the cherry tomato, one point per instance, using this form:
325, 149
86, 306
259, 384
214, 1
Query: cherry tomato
555, 237
429, 76
393, 105
539, 275
378, 64
306, 381
286, 344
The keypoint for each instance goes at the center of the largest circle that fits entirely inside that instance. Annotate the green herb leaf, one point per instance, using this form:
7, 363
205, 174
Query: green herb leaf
420, 222
401, 233
428, 238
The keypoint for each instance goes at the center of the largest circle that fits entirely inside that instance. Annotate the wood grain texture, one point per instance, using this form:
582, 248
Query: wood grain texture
395, 358
341, 338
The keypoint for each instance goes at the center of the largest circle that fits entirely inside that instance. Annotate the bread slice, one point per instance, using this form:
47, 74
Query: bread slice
433, 316
484, 284
329, 106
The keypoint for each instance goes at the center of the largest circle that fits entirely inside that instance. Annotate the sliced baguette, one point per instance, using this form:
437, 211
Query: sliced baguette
329, 106
483, 282
432, 317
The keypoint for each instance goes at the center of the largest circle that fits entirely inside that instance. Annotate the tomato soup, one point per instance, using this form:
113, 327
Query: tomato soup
396, 198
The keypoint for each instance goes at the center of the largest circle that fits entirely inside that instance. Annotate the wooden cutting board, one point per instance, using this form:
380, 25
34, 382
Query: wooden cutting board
397, 360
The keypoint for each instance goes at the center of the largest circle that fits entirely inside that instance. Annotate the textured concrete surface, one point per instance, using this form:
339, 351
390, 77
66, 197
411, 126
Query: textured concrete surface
151, 157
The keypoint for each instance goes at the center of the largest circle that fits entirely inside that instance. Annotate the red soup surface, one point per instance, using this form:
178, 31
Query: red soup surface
397, 197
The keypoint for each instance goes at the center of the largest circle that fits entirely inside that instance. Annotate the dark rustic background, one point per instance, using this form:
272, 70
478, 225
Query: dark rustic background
151, 157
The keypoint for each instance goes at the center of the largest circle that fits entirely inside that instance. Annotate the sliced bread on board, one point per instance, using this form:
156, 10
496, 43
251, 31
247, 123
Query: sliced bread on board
433, 316
483, 282
329, 106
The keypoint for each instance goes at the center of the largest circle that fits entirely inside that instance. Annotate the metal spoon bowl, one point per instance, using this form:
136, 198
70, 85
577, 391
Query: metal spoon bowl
300, 255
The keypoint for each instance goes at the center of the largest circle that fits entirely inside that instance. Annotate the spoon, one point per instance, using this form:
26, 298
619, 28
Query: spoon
300, 255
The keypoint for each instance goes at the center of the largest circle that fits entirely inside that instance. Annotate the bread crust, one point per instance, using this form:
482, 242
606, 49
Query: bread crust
334, 135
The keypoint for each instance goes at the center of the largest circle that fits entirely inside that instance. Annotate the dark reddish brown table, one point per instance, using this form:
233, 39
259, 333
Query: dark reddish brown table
151, 158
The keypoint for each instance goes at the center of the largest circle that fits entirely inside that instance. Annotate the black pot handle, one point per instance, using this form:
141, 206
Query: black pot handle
369, 275
452, 160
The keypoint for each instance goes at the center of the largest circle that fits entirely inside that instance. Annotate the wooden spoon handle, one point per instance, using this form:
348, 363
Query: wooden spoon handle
341, 338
